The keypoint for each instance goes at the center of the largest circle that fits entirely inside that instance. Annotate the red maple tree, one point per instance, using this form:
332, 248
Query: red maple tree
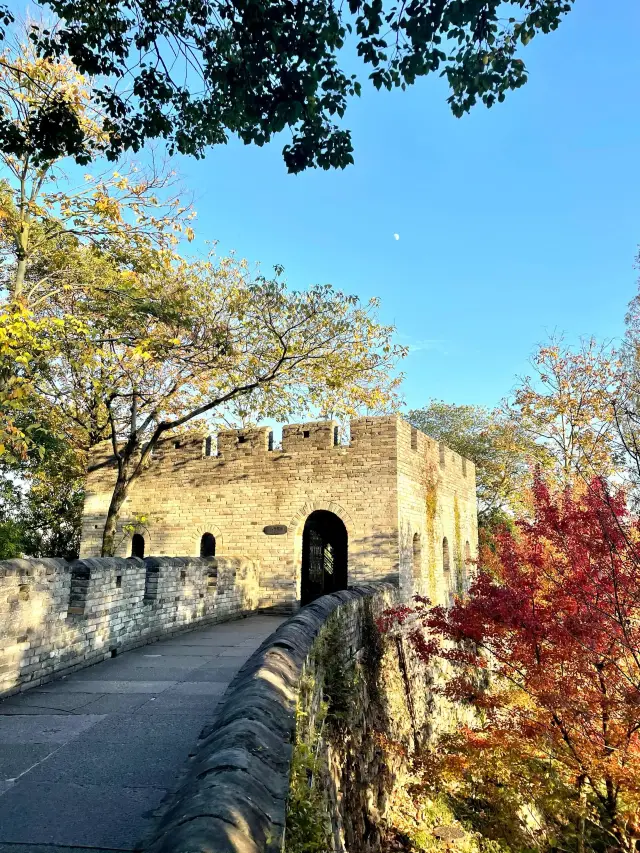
554, 615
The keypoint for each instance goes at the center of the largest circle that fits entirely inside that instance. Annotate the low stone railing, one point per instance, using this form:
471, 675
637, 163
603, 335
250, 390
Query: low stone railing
235, 788
56, 617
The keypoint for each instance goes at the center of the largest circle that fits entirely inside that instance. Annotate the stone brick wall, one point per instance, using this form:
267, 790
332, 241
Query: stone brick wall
57, 616
436, 501
379, 485
367, 708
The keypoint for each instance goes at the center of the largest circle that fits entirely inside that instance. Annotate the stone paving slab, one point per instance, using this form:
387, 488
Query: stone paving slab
55, 848
176, 652
175, 645
17, 758
48, 702
75, 814
187, 704
123, 685
145, 674
240, 652
44, 728
33, 711
86, 760
197, 688
128, 728
166, 660
116, 703
136, 764
215, 673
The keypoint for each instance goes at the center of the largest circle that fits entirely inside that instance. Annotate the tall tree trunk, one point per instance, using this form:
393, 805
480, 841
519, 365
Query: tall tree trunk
581, 816
22, 236
611, 809
130, 464
120, 492
18, 283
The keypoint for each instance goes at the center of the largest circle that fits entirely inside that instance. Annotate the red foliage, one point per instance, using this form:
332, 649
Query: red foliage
554, 613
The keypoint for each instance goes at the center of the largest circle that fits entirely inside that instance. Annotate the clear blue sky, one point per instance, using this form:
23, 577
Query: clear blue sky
513, 222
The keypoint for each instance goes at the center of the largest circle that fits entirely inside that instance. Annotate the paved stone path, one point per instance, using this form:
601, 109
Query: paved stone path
85, 761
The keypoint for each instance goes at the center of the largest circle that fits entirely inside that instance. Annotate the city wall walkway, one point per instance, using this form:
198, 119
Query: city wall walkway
86, 760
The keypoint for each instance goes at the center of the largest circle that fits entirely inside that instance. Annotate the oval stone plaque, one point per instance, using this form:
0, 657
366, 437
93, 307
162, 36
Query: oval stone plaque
275, 529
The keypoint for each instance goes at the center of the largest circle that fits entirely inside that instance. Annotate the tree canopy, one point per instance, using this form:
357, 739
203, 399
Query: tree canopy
42, 495
493, 442
553, 618
566, 408
195, 72
108, 332
57, 235
181, 342
560, 419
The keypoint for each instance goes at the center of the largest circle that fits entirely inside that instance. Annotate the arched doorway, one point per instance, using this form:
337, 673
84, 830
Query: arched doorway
208, 545
324, 555
137, 545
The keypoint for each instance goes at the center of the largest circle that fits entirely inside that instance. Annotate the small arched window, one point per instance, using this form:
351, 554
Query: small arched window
446, 565
137, 545
417, 553
208, 545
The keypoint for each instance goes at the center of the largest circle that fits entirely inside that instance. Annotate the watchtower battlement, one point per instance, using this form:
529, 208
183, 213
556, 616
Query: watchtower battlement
251, 441
398, 499
365, 434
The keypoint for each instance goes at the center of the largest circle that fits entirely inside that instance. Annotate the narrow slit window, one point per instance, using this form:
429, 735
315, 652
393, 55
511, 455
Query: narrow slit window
417, 558
414, 438
446, 565
442, 459
446, 571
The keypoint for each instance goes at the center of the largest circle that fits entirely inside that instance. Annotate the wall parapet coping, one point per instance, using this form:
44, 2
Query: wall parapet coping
234, 788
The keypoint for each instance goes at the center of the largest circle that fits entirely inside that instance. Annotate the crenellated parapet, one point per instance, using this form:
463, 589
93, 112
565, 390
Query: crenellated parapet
390, 435
56, 617
302, 438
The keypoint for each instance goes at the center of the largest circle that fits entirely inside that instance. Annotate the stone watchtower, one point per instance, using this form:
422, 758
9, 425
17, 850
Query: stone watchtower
314, 516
